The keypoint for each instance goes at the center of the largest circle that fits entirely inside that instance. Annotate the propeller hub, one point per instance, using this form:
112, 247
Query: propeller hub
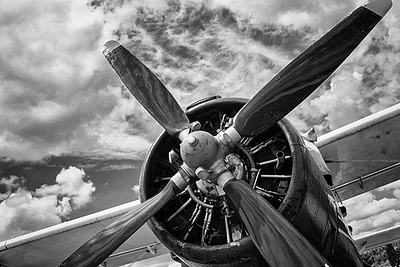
199, 149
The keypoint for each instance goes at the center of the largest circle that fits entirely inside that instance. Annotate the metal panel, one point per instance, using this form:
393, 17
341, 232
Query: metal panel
365, 154
49, 246
379, 238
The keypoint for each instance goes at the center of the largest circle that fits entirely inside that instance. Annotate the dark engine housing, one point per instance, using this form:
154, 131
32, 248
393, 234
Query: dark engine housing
198, 226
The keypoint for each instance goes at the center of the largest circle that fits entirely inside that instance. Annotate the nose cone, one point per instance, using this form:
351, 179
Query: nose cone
192, 141
199, 149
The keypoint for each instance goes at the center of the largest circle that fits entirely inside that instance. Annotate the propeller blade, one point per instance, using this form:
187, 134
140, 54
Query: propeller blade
277, 240
100, 246
146, 88
308, 71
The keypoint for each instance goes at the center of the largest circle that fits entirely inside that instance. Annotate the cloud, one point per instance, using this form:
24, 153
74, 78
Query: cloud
376, 222
58, 96
55, 94
389, 187
24, 211
343, 102
367, 82
136, 189
69, 182
317, 14
367, 212
9, 185
367, 205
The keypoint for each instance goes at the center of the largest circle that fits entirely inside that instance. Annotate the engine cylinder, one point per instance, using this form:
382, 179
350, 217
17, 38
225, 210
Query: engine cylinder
201, 229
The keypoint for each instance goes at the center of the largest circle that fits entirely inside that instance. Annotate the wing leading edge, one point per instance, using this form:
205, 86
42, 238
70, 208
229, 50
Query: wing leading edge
49, 246
364, 155
379, 238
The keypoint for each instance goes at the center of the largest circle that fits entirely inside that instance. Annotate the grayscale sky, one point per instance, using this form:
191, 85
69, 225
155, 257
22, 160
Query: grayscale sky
72, 139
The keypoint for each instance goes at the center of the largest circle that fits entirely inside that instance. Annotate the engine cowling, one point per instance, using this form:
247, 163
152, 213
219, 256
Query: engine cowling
199, 227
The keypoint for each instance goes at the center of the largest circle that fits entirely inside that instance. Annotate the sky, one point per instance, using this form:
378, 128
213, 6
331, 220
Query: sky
72, 139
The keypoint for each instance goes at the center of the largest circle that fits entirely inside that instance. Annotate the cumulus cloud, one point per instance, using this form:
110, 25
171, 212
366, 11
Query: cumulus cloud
376, 222
58, 95
70, 182
56, 92
367, 212
25, 211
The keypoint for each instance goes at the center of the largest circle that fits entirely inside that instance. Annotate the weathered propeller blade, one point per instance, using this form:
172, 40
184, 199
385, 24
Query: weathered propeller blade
100, 246
267, 227
277, 240
146, 88
308, 71
158, 101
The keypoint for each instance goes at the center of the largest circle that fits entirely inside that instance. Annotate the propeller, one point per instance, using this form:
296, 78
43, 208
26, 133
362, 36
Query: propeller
100, 246
308, 71
146, 88
276, 99
277, 240
162, 106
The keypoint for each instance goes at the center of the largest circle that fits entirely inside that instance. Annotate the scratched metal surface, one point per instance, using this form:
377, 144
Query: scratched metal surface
359, 149
51, 245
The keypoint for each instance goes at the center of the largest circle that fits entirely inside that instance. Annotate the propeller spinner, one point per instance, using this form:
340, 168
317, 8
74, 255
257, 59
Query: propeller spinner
203, 154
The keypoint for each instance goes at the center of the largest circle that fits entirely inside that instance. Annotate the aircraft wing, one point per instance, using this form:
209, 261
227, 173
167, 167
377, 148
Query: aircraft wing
50, 246
363, 155
376, 239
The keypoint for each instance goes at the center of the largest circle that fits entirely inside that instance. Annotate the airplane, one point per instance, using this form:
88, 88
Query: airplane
231, 182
